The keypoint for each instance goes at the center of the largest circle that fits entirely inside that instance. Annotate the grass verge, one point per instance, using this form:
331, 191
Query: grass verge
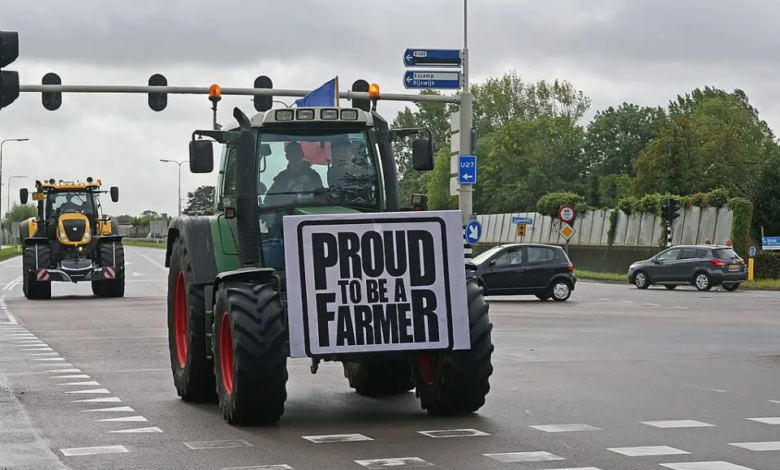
144, 243
12, 252
756, 284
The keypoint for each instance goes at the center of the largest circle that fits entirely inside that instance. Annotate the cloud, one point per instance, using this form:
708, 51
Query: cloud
614, 50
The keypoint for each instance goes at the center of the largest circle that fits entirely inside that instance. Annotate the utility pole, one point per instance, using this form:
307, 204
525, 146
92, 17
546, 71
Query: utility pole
466, 99
178, 162
8, 203
1, 167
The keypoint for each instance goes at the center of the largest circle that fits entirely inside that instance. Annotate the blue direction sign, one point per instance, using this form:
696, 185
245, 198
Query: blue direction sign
432, 79
473, 232
522, 220
467, 169
770, 243
432, 58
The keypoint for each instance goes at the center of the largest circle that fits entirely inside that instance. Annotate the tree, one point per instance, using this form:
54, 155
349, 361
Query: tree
124, 219
765, 194
200, 202
20, 212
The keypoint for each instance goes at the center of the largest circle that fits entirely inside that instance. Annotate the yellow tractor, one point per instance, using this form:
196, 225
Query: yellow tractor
71, 240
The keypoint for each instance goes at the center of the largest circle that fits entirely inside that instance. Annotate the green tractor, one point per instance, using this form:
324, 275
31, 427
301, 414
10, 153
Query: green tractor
310, 254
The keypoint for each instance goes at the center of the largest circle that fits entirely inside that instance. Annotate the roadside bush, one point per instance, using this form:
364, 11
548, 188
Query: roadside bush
550, 203
767, 265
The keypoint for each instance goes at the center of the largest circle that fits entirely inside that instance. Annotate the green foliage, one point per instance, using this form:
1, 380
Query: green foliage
767, 265
612, 188
765, 194
20, 212
613, 220
742, 210
550, 203
200, 201
439, 183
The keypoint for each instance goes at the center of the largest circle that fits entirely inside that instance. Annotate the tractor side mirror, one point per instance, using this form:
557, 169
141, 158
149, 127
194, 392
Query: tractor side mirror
115, 193
23, 195
422, 155
201, 156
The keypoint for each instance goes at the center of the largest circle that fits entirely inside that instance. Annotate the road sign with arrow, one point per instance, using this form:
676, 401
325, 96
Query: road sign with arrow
432, 58
467, 169
473, 232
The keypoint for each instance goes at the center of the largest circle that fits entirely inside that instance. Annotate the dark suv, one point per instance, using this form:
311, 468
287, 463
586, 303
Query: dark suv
702, 266
525, 269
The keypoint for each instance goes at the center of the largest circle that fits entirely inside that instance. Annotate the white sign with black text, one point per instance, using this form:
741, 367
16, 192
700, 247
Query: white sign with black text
392, 281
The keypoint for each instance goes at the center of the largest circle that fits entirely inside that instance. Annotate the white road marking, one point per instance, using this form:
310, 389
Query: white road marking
707, 388
94, 390
396, 462
566, 428
136, 430
648, 451
627, 301
682, 308
453, 433
766, 420
38, 349
262, 467
683, 423
774, 401
64, 370
758, 446
45, 354
72, 376
51, 359
78, 451
134, 419
91, 382
229, 444
154, 262
650, 305
337, 438
114, 408
4, 307
719, 465
99, 400
510, 457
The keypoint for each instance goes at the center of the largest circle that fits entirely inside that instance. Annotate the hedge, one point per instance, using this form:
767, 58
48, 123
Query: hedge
767, 265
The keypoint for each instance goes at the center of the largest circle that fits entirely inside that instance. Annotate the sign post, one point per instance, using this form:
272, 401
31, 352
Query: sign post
752, 252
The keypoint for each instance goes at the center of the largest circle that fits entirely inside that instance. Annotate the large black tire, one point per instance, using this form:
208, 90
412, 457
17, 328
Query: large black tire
460, 380
114, 287
193, 375
32, 288
375, 379
250, 353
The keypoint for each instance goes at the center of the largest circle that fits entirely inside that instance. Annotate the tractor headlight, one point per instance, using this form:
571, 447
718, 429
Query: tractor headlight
62, 235
87, 236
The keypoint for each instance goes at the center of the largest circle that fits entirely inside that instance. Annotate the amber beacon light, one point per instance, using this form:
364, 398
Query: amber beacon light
373, 90
215, 92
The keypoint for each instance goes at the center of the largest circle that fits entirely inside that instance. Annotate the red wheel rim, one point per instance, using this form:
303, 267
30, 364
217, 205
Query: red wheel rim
180, 325
428, 367
226, 353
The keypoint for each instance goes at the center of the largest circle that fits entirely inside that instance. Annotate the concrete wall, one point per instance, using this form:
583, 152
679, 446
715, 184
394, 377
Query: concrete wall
637, 236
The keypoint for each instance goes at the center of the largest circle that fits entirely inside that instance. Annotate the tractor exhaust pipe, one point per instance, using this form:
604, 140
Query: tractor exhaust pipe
246, 194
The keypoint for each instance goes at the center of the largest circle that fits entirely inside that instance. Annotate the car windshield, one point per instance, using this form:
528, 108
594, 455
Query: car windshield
329, 167
69, 201
479, 259
725, 253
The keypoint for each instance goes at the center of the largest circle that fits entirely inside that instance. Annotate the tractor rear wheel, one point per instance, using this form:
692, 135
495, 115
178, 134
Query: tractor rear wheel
193, 371
111, 254
457, 382
37, 255
250, 353
375, 379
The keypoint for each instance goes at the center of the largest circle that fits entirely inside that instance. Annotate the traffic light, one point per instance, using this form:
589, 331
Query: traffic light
263, 103
158, 101
361, 86
671, 209
52, 100
9, 80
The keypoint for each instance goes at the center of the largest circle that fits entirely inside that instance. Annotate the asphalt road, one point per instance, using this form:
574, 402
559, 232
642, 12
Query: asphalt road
614, 379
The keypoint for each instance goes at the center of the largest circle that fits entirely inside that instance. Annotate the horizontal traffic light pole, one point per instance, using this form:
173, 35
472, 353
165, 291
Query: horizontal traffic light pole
184, 90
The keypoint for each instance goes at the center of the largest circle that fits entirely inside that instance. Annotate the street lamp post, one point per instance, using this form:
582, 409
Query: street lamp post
8, 203
1, 169
178, 162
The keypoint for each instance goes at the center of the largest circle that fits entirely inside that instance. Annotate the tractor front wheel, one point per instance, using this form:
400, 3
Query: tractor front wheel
40, 256
111, 254
250, 353
457, 382
193, 371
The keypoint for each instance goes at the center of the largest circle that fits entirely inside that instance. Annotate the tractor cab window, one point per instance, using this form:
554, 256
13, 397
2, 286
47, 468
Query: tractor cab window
69, 202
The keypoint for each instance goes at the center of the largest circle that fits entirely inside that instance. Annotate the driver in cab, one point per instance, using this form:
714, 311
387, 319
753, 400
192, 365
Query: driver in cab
71, 204
297, 179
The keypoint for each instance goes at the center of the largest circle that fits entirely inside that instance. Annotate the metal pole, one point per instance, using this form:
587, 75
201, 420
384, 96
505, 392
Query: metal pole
8, 202
1, 170
178, 162
464, 196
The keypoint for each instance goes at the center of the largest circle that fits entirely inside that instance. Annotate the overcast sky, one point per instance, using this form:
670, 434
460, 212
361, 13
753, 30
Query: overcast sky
641, 51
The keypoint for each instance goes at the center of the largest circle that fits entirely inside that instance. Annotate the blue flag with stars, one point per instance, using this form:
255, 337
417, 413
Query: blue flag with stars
325, 95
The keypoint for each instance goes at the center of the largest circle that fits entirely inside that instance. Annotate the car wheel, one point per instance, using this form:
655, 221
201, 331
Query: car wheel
702, 282
731, 286
561, 291
641, 281
670, 287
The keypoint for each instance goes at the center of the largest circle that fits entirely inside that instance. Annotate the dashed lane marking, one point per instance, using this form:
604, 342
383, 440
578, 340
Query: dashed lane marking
64, 371
566, 428
72, 376
511, 457
453, 433
130, 419
50, 359
773, 421
94, 390
683, 423
113, 408
38, 349
329, 438
714, 465
155, 262
396, 462
262, 467
229, 444
89, 382
758, 446
80, 451
648, 451
154, 429
99, 400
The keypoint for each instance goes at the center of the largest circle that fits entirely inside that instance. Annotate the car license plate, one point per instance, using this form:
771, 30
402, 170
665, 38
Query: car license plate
733, 266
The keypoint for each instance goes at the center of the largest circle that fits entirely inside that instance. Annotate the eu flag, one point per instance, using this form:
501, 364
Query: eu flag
325, 95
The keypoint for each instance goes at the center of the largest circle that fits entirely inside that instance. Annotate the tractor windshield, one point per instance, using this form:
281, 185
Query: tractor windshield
317, 168
61, 202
